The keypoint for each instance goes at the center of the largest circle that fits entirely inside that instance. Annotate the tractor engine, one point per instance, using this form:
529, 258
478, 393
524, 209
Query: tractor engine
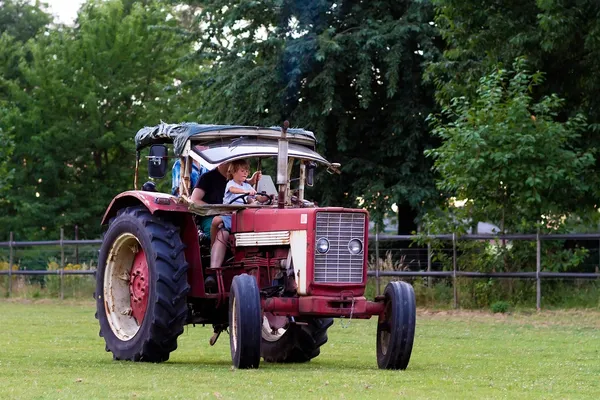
306, 251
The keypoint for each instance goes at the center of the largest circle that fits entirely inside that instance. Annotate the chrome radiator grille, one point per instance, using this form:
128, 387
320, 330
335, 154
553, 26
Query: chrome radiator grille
338, 265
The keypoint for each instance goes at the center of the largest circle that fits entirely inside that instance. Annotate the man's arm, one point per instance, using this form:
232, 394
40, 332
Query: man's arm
175, 178
198, 195
255, 178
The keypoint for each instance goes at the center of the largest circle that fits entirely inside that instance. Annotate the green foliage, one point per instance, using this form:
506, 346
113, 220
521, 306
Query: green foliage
479, 35
83, 95
6, 149
349, 71
509, 155
557, 37
71, 286
19, 21
492, 256
22, 20
500, 307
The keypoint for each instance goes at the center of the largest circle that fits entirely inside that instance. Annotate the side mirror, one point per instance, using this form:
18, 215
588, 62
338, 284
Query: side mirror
157, 161
310, 173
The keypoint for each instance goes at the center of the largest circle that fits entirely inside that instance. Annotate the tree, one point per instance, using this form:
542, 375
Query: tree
560, 38
479, 35
508, 156
9, 51
23, 20
349, 71
86, 92
19, 22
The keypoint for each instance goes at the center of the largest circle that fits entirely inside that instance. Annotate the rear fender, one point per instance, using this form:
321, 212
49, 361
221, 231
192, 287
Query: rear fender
162, 202
153, 201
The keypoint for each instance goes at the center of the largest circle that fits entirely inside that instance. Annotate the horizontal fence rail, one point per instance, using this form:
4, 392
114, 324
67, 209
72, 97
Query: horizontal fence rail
375, 239
372, 238
518, 275
49, 272
50, 243
538, 275
567, 236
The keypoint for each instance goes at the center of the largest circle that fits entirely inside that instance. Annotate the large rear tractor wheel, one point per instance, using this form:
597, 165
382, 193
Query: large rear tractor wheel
396, 326
284, 341
244, 322
141, 286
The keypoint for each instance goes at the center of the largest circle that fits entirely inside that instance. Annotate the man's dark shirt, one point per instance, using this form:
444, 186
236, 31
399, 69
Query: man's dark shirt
213, 184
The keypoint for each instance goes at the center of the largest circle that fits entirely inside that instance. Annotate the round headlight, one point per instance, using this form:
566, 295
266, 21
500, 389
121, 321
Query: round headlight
355, 246
322, 245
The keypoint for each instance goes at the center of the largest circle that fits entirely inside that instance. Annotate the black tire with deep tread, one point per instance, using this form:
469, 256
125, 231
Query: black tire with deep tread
244, 301
166, 311
396, 328
300, 343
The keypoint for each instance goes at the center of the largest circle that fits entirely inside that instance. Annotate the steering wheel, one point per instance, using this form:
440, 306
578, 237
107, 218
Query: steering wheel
245, 196
268, 202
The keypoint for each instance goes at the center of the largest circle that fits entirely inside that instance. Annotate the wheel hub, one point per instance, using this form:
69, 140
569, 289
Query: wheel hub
384, 327
138, 287
121, 285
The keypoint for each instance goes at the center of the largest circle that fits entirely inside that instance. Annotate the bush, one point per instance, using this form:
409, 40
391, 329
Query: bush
4, 278
500, 307
73, 285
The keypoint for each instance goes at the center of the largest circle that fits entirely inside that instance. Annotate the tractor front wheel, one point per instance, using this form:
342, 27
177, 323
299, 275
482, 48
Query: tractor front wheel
244, 322
396, 326
141, 286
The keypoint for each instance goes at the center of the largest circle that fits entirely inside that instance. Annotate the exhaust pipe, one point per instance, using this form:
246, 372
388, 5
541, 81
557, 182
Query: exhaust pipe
282, 165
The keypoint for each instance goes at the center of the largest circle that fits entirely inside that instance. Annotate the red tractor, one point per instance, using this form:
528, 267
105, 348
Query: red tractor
291, 268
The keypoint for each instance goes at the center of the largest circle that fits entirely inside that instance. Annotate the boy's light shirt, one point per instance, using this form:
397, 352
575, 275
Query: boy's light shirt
228, 196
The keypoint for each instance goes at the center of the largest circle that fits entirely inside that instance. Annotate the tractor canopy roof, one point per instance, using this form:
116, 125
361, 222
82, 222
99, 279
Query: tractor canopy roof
229, 149
245, 140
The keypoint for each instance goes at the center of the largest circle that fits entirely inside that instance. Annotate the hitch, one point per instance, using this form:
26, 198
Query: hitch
349, 295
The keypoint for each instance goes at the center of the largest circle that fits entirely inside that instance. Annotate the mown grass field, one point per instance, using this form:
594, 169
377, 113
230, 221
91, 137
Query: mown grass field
51, 350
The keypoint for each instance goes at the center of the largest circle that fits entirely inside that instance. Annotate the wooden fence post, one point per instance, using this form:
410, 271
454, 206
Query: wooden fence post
538, 268
76, 245
377, 278
10, 263
429, 256
62, 263
454, 270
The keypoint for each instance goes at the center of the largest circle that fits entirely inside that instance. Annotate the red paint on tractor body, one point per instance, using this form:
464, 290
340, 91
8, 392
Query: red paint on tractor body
331, 306
153, 201
290, 219
189, 235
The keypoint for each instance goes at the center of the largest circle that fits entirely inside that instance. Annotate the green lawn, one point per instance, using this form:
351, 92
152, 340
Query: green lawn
50, 349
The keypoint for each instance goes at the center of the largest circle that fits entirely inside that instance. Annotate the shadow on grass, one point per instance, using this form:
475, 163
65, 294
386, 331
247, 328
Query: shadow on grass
316, 366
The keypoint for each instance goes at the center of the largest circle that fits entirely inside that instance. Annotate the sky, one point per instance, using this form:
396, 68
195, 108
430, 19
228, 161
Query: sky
64, 10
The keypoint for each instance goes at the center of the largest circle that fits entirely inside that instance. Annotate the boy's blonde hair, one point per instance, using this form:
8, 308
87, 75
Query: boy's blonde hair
236, 165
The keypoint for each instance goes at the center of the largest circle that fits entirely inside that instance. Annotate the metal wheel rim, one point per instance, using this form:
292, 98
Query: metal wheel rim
117, 296
234, 325
269, 334
384, 335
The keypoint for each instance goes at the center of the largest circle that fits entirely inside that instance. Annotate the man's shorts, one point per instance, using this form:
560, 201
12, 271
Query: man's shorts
205, 223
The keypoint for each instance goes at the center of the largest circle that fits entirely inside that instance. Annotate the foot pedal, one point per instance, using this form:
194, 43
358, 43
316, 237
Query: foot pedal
214, 338
210, 284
